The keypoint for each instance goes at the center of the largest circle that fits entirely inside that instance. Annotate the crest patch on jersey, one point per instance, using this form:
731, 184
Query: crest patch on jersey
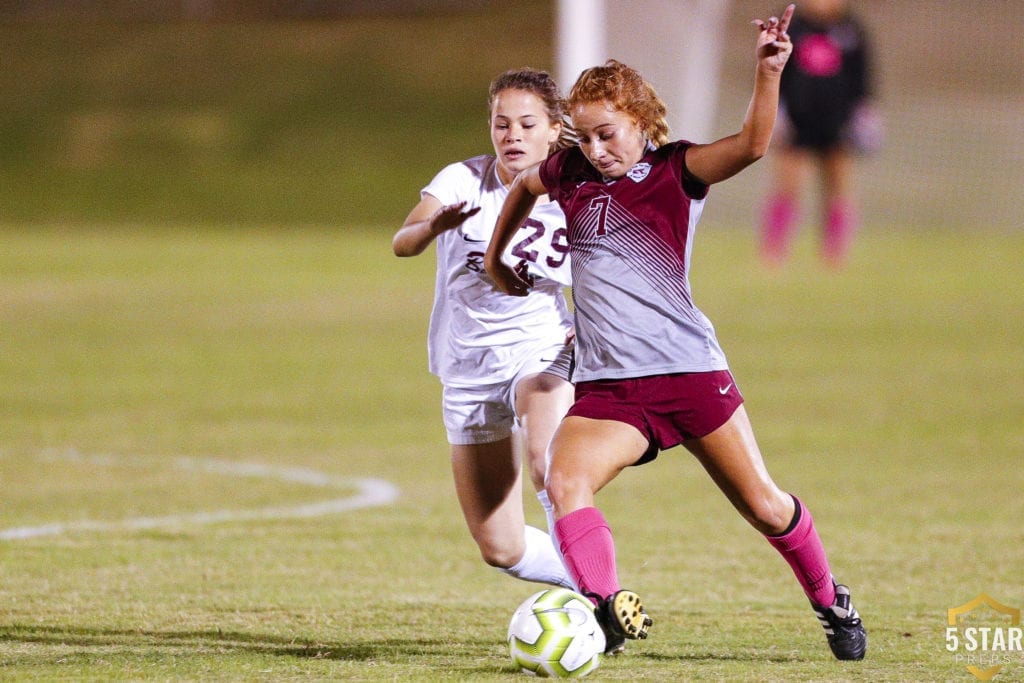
639, 172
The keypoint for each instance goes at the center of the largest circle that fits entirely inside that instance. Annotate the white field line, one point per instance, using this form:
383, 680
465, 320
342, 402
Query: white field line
369, 492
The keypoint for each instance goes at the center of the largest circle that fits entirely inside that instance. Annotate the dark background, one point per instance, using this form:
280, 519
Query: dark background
336, 113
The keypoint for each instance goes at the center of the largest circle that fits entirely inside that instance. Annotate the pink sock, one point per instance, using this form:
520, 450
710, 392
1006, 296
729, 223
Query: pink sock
801, 547
777, 224
840, 226
589, 551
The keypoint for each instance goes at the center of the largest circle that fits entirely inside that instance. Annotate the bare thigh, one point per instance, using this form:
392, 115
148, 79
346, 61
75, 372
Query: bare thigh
541, 402
586, 454
731, 457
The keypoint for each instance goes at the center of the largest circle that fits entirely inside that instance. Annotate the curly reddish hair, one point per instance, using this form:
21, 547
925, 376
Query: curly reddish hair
626, 90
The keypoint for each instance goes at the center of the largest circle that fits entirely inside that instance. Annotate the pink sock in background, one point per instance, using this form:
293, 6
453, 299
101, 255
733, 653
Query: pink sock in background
777, 223
802, 549
589, 551
840, 226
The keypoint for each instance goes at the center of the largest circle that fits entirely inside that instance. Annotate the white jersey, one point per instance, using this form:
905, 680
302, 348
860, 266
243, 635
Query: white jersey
478, 334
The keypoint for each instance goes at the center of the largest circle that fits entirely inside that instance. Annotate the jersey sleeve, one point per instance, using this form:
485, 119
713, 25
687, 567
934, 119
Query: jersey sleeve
550, 171
446, 184
693, 187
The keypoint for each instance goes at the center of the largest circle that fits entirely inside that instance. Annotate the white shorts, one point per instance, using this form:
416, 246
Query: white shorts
486, 413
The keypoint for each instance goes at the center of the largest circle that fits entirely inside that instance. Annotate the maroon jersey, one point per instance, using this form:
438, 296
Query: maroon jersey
630, 241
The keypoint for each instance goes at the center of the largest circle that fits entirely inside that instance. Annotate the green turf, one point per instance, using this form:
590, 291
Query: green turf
248, 122
889, 396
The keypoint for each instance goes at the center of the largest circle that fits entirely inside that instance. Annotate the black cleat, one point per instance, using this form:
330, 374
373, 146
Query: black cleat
621, 616
846, 635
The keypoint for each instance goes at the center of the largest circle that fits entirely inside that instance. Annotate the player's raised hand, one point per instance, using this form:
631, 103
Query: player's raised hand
451, 216
773, 44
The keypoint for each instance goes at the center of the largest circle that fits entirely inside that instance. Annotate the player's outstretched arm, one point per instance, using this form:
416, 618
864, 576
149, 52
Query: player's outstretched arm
725, 158
427, 220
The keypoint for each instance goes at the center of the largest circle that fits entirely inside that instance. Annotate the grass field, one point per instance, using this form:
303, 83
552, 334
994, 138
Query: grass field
152, 379
250, 122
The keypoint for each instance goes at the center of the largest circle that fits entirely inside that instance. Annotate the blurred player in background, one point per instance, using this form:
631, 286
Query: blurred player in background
503, 362
650, 373
826, 117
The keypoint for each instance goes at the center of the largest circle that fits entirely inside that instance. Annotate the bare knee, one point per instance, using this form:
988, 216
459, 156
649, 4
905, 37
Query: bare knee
567, 492
556, 484
770, 514
502, 555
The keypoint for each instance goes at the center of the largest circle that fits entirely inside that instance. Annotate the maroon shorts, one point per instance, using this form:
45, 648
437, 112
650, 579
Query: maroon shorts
667, 409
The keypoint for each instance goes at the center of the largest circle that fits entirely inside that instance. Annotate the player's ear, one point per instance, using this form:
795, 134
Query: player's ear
554, 133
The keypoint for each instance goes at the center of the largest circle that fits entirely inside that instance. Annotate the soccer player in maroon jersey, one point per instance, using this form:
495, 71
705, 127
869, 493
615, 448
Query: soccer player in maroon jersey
649, 371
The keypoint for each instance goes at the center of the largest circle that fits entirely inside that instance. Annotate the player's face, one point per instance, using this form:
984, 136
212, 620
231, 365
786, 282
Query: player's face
521, 132
611, 139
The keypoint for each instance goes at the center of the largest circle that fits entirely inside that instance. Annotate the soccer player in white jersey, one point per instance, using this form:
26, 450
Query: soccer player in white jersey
503, 361
649, 371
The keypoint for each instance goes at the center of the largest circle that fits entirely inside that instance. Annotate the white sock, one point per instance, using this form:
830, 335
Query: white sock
549, 512
541, 562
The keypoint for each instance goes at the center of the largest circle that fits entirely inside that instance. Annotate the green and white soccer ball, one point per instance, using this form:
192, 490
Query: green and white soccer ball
555, 633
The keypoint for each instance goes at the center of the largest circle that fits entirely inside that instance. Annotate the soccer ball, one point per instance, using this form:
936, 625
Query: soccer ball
555, 633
